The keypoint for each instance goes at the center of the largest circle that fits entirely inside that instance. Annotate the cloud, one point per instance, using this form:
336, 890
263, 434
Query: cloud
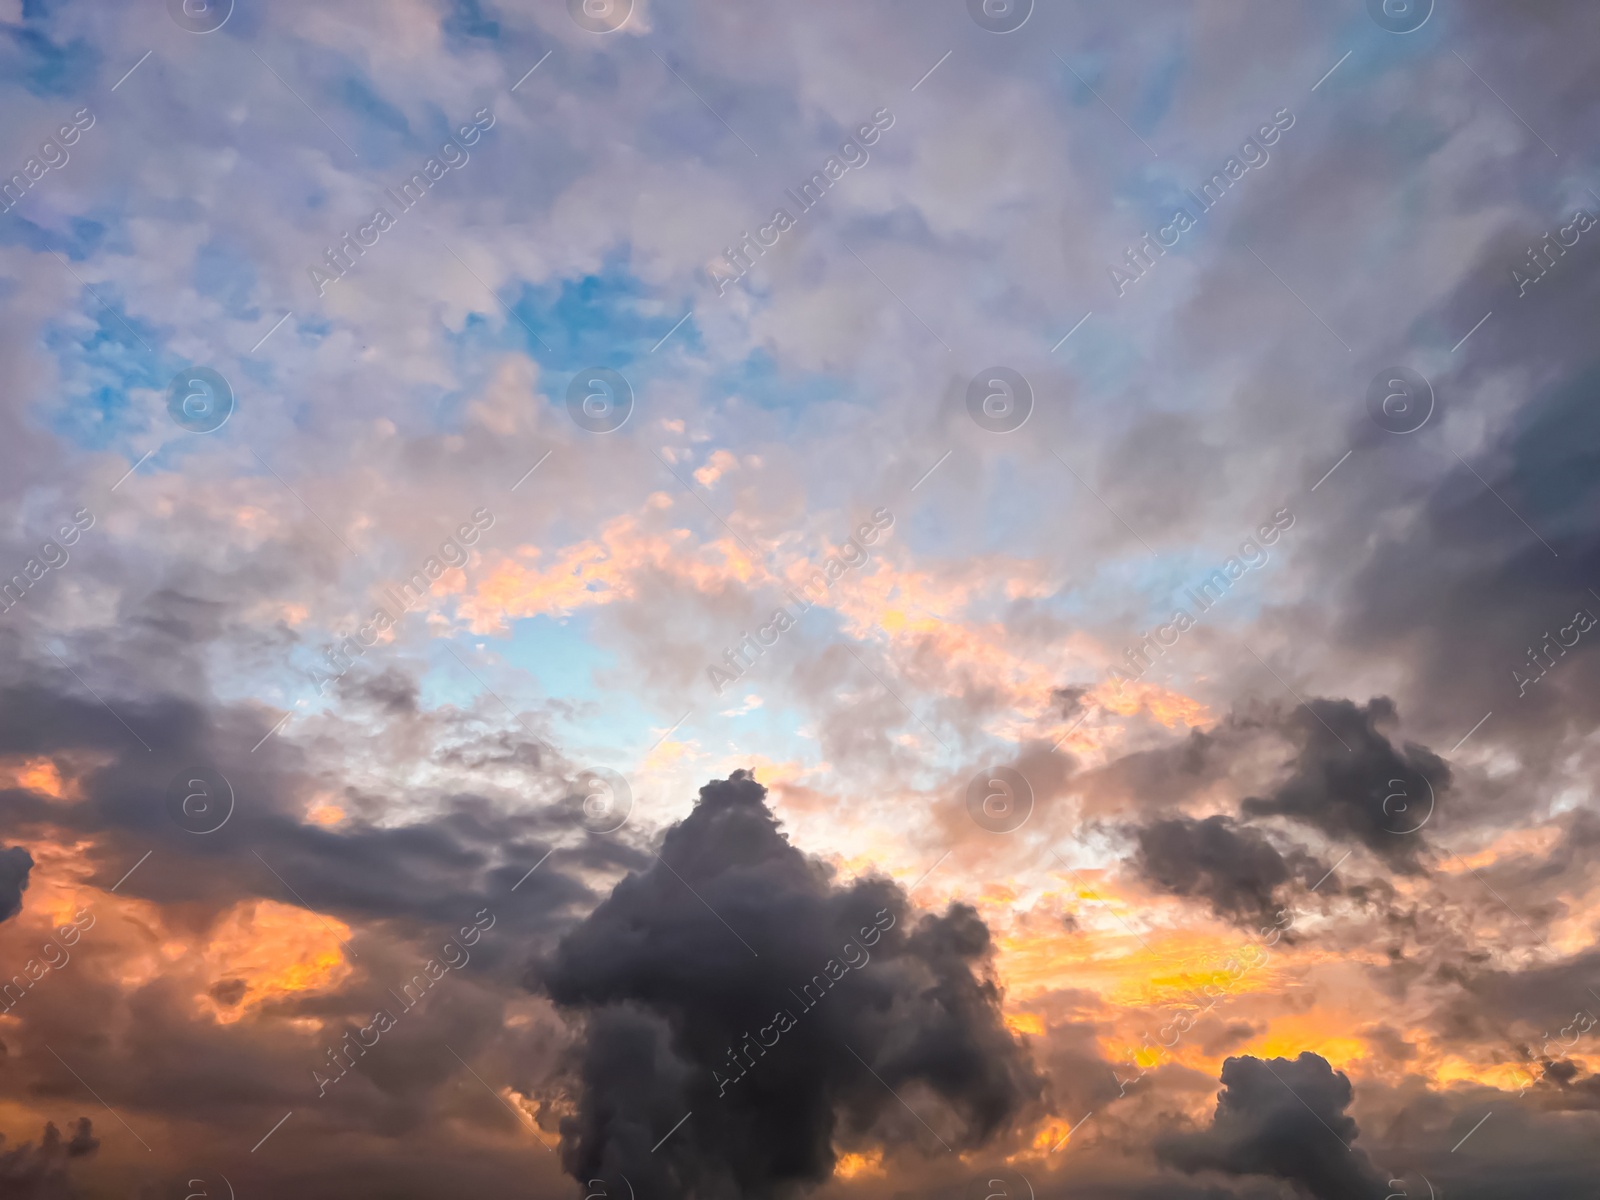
1282, 1118
454, 849
1349, 781
15, 863
39, 1172
434, 377
735, 981
1232, 866
253, 987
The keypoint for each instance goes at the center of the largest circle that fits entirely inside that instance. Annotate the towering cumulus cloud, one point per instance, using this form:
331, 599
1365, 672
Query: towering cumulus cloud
735, 982
1286, 1119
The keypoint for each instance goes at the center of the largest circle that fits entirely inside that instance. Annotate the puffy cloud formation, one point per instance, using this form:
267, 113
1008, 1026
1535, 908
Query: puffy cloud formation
1350, 781
40, 1172
1283, 1118
1233, 867
734, 987
409, 704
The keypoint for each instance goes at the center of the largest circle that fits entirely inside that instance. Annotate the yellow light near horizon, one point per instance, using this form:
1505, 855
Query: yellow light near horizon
1321, 1033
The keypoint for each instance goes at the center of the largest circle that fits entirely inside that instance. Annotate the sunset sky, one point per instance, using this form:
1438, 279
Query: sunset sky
1102, 499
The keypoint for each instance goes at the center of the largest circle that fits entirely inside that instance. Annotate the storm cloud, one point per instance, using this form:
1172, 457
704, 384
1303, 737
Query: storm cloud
39, 1171
1282, 1118
1348, 779
732, 1018
736, 981
1232, 867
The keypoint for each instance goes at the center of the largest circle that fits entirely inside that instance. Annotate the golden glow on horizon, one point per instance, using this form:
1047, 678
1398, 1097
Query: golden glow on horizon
1320, 1032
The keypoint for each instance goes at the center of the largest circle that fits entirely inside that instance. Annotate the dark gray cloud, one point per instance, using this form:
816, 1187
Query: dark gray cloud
1350, 781
1499, 549
736, 981
1539, 1144
1283, 1118
15, 863
1233, 867
1232, 753
1214, 1037
391, 690
1413, 571
1544, 994
402, 883
1069, 700
39, 1171
430, 870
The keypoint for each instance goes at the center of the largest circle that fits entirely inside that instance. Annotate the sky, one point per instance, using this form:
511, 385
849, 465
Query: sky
990, 598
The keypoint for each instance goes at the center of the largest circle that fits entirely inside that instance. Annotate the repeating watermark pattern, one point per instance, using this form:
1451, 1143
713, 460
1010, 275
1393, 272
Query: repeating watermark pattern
200, 1189
999, 400
401, 597
999, 1185
1582, 1022
1406, 1182
200, 800
1542, 260
1000, 800
999, 16
52, 556
738, 258
1400, 400
599, 400
600, 1190
606, 800
52, 156
339, 259
600, 16
739, 658
1542, 659
1400, 16
1253, 555
1403, 812
200, 16
1253, 155
452, 957
53, 956
740, 1057
200, 400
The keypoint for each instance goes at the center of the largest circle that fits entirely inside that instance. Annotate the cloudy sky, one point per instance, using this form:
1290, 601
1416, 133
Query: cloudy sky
990, 598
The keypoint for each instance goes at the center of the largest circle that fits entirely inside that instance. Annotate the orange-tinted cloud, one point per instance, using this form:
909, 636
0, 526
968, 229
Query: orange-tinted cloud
263, 951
